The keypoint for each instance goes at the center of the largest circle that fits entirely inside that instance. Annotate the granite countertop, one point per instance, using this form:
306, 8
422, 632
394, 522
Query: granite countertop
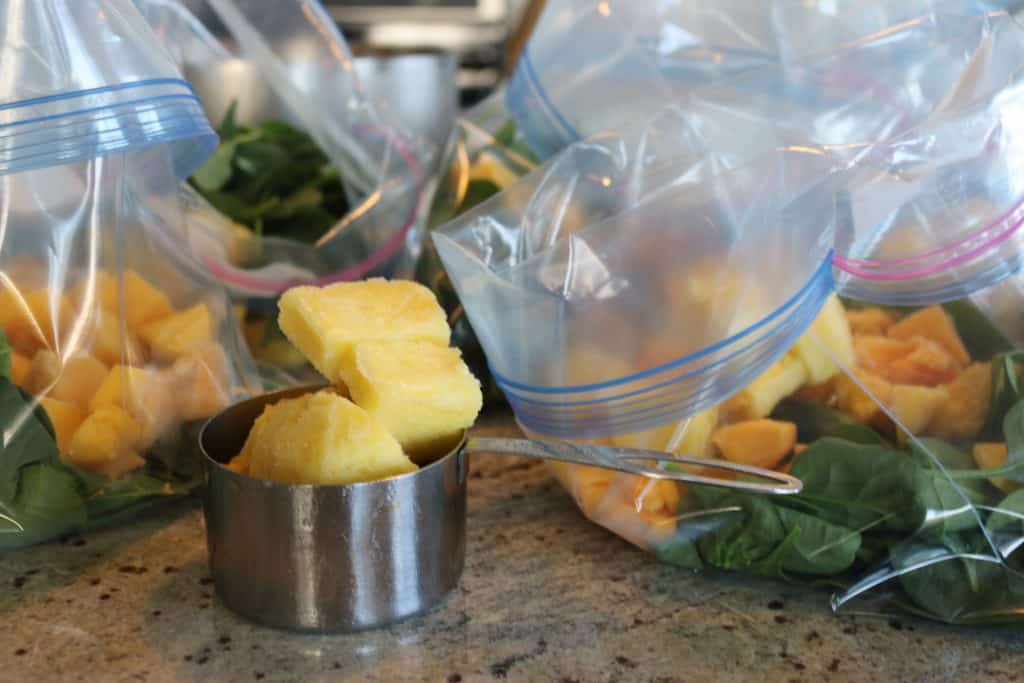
546, 596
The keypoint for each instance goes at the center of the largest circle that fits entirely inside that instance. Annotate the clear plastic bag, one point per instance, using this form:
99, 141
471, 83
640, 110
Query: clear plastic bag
288, 63
644, 290
114, 344
640, 55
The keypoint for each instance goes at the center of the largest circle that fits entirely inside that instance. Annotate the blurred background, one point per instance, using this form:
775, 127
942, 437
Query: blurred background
483, 36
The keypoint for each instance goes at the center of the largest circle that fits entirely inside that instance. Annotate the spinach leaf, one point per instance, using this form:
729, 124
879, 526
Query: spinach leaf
1005, 525
1007, 380
773, 540
982, 339
5, 356
858, 486
274, 179
815, 421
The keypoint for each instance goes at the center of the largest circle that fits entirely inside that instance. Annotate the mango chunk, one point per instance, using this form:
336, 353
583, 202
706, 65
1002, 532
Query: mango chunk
20, 366
761, 443
120, 466
422, 393
322, 438
106, 436
144, 395
915, 407
33, 320
43, 372
178, 334
935, 324
870, 321
964, 414
324, 323
928, 364
66, 418
858, 404
991, 456
143, 303
876, 354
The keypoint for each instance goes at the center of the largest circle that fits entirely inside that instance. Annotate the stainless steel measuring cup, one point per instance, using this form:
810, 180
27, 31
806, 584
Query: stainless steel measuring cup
335, 558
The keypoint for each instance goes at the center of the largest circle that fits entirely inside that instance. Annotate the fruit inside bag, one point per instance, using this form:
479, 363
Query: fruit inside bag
114, 344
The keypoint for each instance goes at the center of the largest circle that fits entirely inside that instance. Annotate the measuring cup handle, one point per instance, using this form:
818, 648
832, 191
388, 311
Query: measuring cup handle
634, 461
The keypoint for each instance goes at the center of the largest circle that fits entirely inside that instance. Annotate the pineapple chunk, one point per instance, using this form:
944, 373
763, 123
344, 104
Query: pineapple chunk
143, 303
916, 406
120, 466
991, 456
74, 381
422, 393
935, 324
79, 379
488, 167
66, 418
107, 436
870, 321
144, 395
20, 366
114, 345
322, 438
759, 398
43, 372
830, 332
199, 382
695, 439
324, 323
964, 414
761, 443
178, 334
31, 321
649, 440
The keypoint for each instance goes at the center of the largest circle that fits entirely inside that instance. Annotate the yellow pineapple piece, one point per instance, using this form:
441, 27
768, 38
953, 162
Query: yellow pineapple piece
322, 438
916, 406
179, 334
108, 436
695, 436
113, 343
20, 366
32, 320
66, 418
143, 303
79, 379
759, 398
324, 323
421, 392
144, 395
829, 335
43, 372
199, 382
991, 456
649, 440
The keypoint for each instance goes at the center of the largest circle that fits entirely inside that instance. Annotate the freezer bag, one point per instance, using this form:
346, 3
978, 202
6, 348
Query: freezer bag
115, 345
639, 55
313, 181
864, 91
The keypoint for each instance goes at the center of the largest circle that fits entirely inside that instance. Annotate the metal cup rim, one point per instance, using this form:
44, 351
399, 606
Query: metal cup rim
223, 470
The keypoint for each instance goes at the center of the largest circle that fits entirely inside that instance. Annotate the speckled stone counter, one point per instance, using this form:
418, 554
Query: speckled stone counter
546, 596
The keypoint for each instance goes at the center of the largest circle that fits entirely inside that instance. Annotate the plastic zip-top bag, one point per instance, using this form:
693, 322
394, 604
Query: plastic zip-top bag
114, 344
875, 85
313, 182
641, 290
